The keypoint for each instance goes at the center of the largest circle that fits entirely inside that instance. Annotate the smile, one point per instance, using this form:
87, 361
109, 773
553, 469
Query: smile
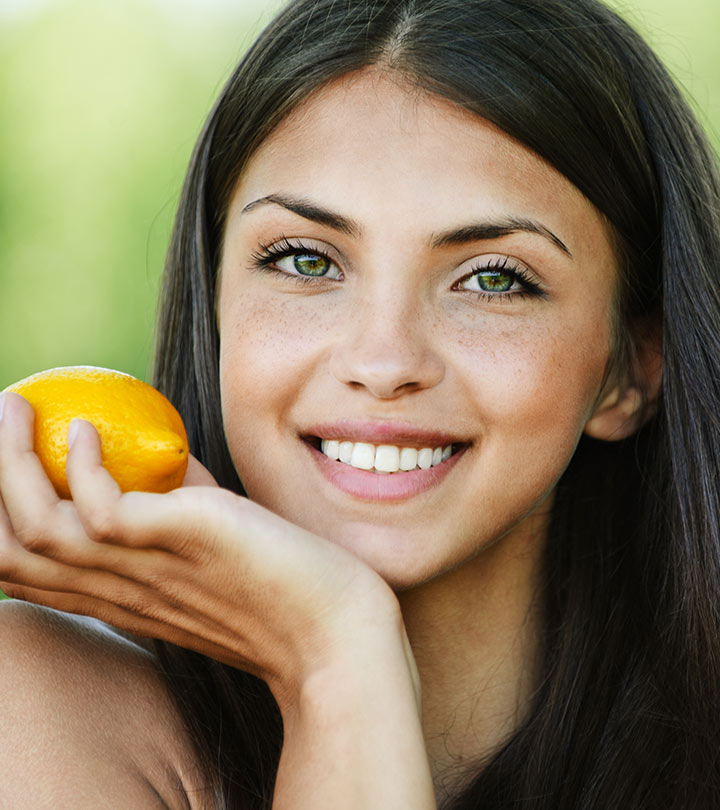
384, 458
384, 471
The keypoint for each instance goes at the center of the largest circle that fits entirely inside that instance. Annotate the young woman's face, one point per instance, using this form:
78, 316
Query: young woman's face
400, 274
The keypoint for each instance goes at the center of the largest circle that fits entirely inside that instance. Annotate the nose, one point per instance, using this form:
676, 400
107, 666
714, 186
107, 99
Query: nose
387, 349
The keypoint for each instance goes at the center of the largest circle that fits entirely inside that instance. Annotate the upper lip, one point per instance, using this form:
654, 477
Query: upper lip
398, 433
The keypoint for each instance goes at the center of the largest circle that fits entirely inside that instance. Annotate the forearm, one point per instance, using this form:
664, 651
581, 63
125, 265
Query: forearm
353, 738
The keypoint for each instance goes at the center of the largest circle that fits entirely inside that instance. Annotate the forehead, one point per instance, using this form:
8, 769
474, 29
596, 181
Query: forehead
371, 141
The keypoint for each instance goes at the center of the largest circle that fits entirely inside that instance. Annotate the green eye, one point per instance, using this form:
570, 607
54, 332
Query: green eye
300, 263
494, 281
500, 279
310, 264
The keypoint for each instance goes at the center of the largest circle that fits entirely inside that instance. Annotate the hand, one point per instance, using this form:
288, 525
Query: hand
206, 569
200, 566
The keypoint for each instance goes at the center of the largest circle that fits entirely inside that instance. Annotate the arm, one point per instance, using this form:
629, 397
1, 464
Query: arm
216, 573
353, 731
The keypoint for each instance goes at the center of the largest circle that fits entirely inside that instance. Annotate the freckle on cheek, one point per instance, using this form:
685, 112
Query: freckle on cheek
268, 340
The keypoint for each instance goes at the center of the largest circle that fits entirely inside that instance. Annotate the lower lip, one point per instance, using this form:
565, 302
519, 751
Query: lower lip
371, 486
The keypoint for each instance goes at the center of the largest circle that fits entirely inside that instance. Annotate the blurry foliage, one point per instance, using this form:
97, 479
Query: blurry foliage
100, 103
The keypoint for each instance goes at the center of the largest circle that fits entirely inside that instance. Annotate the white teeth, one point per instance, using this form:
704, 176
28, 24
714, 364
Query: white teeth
408, 458
386, 458
331, 448
425, 458
363, 456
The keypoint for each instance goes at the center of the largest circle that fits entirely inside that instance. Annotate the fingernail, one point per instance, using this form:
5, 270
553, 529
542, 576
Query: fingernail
2, 403
73, 432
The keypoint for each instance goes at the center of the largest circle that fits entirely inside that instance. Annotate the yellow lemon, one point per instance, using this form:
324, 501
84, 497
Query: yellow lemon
144, 443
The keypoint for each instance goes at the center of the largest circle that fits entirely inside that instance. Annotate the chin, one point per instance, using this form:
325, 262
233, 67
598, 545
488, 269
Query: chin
402, 557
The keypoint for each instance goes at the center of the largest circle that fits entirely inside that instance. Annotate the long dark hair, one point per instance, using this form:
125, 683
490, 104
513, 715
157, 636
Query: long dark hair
628, 708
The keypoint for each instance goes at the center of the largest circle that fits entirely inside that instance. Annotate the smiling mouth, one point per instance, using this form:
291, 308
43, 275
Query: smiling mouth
384, 459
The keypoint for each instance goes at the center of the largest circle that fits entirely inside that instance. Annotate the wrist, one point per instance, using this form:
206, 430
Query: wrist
354, 729
362, 648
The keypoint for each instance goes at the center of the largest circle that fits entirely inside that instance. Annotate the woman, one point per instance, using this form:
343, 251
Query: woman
480, 236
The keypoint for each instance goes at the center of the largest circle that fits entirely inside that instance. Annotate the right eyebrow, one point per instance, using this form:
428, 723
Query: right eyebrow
308, 210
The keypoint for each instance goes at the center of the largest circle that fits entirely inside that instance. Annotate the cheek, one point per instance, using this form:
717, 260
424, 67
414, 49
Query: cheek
263, 336
532, 391
267, 350
535, 384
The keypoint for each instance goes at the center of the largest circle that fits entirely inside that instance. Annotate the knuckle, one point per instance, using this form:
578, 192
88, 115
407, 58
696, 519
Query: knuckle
34, 536
7, 588
189, 545
100, 524
22, 593
137, 604
155, 581
9, 572
104, 612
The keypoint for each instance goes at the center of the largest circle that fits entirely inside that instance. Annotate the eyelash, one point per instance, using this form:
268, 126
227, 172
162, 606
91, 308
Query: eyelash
506, 266
263, 259
267, 254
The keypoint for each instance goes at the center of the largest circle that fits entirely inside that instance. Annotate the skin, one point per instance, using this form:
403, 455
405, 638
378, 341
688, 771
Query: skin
517, 378
415, 651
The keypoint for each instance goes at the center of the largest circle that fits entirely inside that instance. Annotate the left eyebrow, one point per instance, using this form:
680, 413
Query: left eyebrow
468, 233
493, 230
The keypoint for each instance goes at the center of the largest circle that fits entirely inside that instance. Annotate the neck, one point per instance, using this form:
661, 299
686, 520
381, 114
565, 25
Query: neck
476, 635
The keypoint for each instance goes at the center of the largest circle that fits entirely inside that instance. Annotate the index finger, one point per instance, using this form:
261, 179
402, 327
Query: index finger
24, 483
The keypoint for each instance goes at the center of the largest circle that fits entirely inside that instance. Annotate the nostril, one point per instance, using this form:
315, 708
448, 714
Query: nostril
385, 389
384, 368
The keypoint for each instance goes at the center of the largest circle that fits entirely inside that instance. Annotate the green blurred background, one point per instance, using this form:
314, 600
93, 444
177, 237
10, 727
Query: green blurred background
100, 103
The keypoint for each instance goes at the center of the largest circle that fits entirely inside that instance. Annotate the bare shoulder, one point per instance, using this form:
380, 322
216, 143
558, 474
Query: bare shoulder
86, 720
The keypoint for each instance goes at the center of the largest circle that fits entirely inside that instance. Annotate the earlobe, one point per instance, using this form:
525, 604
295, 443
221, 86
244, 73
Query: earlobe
618, 416
627, 407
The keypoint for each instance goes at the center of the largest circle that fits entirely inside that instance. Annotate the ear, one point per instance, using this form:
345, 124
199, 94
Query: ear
633, 400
